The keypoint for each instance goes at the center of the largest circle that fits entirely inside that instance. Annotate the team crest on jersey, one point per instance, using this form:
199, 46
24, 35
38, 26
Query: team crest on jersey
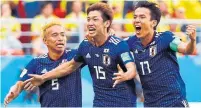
152, 51
106, 60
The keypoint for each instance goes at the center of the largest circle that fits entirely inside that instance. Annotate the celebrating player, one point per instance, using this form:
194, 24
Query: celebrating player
155, 58
102, 59
62, 92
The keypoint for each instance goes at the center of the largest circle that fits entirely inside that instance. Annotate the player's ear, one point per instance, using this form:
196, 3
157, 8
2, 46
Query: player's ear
45, 40
107, 23
154, 23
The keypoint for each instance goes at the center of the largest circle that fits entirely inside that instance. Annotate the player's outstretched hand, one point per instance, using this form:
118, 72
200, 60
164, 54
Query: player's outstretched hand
9, 97
120, 76
36, 80
191, 32
12, 94
29, 87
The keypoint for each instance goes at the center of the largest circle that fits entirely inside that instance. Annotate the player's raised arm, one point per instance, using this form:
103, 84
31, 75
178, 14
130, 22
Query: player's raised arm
186, 48
62, 70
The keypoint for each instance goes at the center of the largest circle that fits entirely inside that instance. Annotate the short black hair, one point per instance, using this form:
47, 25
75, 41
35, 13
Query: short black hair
155, 11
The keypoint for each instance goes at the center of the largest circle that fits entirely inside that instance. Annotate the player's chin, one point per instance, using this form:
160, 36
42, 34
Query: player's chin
92, 35
138, 35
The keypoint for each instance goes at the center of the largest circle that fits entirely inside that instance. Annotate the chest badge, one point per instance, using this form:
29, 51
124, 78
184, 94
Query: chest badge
106, 60
152, 51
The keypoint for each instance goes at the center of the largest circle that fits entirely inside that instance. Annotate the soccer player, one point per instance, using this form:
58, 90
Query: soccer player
102, 60
155, 58
62, 92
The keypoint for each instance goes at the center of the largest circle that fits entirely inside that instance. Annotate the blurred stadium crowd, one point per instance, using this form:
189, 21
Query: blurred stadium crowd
12, 37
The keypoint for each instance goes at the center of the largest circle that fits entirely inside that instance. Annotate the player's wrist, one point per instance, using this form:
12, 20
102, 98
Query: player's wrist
193, 39
14, 91
127, 76
130, 75
44, 77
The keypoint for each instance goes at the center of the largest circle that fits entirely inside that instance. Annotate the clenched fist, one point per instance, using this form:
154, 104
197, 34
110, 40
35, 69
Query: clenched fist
191, 32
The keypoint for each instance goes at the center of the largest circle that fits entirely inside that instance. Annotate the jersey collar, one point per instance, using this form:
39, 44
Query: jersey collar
153, 42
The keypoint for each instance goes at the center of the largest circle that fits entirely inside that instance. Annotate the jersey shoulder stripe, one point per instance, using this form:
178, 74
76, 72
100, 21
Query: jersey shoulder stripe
85, 40
41, 56
165, 33
68, 50
114, 40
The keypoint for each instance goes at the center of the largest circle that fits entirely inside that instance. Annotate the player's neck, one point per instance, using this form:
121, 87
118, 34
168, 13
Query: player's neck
147, 39
55, 55
100, 39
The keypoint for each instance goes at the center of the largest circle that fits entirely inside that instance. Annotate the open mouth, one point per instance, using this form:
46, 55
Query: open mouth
60, 44
91, 30
138, 29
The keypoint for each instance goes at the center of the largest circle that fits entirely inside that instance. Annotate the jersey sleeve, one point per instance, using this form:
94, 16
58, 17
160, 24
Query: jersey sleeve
171, 41
29, 69
124, 54
168, 37
78, 56
129, 40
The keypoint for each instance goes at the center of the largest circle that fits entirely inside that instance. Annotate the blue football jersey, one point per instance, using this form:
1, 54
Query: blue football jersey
102, 62
62, 92
158, 70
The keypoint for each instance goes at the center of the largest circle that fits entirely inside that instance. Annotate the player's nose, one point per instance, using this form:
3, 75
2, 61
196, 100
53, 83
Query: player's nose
90, 23
136, 20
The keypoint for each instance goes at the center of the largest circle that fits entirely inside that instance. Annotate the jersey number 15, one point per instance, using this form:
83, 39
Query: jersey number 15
100, 74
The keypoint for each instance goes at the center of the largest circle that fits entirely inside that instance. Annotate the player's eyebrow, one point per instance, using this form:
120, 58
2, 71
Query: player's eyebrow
139, 15
55, 33
62, 33
92, 17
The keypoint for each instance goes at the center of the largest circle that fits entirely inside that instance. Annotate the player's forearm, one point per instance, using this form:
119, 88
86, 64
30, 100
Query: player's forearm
131, 73
17, 88
138, 85
191, 46
62, 70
